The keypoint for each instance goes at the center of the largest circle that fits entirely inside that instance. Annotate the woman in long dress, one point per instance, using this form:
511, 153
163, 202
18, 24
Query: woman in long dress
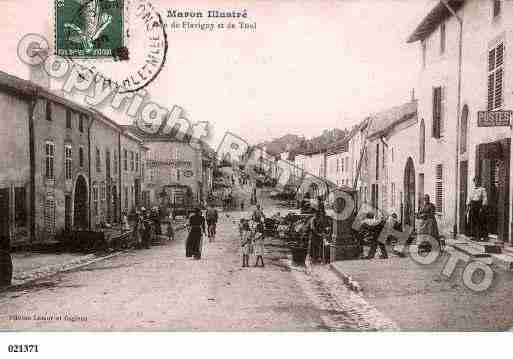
196, 231
427, 220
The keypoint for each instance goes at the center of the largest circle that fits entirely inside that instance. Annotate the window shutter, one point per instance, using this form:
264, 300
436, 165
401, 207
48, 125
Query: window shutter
437, 103
499, 55
439, 188
491, 81
491, 60
498, 88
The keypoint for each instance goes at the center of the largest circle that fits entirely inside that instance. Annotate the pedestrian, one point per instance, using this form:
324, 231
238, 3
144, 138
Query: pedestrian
258, 215
124, 222
317, 229
196, 232
372, 225
245, 242
170, 230
212, 218
427, 219
258, 244
476, 203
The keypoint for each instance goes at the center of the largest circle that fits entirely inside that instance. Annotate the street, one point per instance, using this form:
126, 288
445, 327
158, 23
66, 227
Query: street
161, 289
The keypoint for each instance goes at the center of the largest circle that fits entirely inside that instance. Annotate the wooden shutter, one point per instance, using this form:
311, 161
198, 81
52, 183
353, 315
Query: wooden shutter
439, 193
498, 88
437, 104
491, 82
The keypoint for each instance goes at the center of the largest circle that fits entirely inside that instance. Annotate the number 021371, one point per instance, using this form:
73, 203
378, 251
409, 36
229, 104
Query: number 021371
22, 348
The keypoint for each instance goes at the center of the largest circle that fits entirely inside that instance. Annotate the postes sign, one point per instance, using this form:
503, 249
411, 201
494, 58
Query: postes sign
494, 118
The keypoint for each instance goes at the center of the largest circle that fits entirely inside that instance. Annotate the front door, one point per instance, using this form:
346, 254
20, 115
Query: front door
4, 213
409, 193
492, 167
67, 213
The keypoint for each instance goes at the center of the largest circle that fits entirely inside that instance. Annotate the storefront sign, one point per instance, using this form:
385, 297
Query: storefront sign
494, 118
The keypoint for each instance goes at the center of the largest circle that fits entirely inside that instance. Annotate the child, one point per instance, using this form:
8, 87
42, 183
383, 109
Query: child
245, 242
258, 243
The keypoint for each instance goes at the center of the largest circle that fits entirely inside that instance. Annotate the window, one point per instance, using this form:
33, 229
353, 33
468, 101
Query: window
98, 160
48, 110
342, 165
392, 197
102, 192
464, 129
125, 160
49, 159
95, 199
439, 192
377, 162
422, 142
126, 197
495, 76
442, 37
81, 156
115, 163
81, 123
68, 162
20, 207
347, 164
437, 112
107, 161
421, 189
131, 160
424, 50
136, 162
392, 154
496, 8
68, 118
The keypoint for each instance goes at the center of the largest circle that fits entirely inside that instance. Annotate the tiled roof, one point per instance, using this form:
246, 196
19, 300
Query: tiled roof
433, 19
384, 121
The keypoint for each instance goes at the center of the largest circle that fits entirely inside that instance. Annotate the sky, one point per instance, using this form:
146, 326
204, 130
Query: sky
308, 65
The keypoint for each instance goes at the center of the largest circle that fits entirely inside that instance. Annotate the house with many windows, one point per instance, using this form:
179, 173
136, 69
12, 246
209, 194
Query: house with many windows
463, 61
63, 165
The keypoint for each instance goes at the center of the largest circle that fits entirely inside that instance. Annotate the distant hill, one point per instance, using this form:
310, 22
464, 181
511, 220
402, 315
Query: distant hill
295, 143
279, 145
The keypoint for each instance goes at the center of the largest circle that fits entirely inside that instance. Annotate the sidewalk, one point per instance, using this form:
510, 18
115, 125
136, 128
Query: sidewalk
419, 297
29, 266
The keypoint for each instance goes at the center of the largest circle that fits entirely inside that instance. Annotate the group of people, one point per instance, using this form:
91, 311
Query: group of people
147, 224
252, 237
200, 226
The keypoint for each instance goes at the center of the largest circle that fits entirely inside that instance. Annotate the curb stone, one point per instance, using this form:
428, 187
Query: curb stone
347, 279
44, 272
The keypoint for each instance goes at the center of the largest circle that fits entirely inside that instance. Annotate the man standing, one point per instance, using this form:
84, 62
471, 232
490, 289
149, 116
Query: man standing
475, 204
212, 217
318, 225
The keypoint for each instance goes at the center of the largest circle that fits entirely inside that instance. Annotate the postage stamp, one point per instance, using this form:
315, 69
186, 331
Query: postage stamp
89, 28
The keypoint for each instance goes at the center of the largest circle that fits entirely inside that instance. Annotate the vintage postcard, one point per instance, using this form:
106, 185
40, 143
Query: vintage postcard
284, 166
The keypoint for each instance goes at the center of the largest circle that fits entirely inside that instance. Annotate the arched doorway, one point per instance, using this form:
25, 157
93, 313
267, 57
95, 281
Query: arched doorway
409, 193
80, 219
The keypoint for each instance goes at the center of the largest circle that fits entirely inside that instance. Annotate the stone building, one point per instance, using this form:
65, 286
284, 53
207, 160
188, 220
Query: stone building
62, 171
462, 59
176, 168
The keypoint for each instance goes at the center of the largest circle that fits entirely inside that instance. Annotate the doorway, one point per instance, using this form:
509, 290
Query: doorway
80, 218
409, 193
492, 168
463, 197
